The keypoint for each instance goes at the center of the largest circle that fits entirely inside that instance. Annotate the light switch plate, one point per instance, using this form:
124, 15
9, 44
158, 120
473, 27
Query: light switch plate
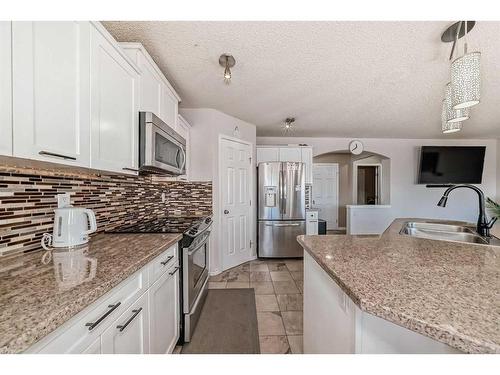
63, 200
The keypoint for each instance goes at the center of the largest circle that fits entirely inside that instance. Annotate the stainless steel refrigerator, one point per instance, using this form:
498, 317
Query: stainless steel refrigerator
282, 212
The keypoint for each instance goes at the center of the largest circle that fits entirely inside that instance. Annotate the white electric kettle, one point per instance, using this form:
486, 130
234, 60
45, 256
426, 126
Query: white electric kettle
72, 226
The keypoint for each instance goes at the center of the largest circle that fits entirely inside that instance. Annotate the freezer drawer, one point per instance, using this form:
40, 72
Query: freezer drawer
278, 239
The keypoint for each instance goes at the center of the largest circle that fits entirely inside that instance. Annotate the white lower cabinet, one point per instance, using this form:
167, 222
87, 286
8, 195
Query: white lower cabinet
164, 311
141, 315
129, 334
94, 348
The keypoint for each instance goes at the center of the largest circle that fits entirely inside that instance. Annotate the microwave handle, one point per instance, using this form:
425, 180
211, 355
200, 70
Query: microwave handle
183, 159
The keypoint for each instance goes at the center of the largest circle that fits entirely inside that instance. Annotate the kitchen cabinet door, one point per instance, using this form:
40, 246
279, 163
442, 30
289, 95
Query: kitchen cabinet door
290, 154
94, 348
115, 107
129, 334
51, 91
267, 154
169, 106
5, 89
164, 312
307, 159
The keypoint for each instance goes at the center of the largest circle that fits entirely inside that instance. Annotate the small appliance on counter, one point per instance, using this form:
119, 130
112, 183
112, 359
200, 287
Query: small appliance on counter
72, 227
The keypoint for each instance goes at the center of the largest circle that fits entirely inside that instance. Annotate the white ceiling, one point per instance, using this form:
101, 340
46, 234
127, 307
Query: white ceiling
339, 79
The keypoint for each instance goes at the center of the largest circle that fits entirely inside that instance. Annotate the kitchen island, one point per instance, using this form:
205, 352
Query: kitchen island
400, 294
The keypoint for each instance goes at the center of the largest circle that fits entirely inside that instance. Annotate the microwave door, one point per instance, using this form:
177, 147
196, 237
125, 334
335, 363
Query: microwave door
165, 153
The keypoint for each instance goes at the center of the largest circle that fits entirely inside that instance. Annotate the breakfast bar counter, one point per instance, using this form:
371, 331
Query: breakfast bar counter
446, 291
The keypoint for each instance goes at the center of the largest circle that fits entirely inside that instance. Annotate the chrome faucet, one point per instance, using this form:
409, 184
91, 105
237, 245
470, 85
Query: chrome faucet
483, 226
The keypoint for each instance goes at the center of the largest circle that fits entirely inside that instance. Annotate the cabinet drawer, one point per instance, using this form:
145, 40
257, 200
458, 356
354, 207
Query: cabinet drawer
83, 329
162, 263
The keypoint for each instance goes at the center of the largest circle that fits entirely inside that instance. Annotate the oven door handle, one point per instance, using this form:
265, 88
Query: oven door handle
191, 252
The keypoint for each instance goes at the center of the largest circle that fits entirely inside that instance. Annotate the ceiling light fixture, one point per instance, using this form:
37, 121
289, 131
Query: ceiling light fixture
288, 124
463, 90
227, 62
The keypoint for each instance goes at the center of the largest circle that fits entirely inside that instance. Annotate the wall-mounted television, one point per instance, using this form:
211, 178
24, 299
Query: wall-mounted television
451, 164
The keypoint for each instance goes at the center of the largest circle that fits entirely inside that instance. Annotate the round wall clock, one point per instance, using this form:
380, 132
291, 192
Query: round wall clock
356, 147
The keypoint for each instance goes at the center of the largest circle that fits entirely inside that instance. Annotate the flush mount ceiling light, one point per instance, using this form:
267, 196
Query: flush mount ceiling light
288, 124
227, 62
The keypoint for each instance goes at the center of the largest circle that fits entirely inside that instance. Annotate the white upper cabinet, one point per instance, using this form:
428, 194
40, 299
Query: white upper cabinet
5, 89
156, 93
169, 106
290, 154
307, 159
115, 106
268, 154
50, 91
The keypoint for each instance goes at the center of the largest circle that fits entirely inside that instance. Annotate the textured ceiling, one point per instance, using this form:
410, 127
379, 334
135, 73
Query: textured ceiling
340, 79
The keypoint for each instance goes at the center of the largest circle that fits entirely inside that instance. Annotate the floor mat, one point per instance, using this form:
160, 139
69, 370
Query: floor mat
227, 325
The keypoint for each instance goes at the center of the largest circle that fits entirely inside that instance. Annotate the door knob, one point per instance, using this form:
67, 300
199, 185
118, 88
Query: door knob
226, 212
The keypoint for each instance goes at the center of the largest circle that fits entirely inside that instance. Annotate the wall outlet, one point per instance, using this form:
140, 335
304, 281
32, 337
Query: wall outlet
63, 200
163, 199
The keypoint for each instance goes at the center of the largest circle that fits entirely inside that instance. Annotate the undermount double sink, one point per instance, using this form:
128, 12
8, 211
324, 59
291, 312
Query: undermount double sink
446, 232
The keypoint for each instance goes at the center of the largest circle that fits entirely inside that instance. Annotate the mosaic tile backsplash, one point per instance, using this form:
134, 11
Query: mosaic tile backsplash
28, 198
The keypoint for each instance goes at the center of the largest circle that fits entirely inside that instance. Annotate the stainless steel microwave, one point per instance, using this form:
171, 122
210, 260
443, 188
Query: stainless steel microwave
161, 149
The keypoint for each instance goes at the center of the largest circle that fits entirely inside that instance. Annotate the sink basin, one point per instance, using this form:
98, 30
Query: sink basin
444, 232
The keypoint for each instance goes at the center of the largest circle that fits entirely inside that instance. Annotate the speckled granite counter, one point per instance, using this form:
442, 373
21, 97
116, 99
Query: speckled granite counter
33, 302
448, 291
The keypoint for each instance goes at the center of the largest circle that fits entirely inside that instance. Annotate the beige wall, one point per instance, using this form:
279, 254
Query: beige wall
345, 180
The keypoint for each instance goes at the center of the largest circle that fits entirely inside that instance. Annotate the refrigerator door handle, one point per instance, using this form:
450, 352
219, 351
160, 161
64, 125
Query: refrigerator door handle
284, 184
284, 225
280, 189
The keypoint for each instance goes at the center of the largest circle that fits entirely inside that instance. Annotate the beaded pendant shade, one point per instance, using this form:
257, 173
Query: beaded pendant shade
466, 75
466, 80
453, 115
449, 127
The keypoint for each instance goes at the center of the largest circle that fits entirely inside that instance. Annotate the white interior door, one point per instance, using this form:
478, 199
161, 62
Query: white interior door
326, 193
236, 183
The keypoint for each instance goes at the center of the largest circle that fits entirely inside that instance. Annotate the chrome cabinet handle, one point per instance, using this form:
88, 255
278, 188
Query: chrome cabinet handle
166, 261
104, 316
174, 271
136, 312
47, 153
130, 169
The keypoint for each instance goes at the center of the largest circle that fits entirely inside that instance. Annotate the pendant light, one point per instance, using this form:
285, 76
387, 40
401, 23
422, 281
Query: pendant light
466, 76
453, 115
288, 125
449, 127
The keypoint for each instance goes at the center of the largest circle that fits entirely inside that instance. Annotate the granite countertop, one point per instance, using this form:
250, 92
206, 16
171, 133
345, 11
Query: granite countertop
448, 291
34, 302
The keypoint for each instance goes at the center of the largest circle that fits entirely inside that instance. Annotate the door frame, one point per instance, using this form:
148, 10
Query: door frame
218, 208
338, 189
355, 181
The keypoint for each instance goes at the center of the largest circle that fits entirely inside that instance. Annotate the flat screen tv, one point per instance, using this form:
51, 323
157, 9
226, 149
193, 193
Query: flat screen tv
451, 164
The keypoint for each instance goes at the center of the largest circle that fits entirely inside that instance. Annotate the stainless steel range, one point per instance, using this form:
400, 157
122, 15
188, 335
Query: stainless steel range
193, 252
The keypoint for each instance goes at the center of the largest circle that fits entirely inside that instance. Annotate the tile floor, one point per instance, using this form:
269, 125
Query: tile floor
278, 285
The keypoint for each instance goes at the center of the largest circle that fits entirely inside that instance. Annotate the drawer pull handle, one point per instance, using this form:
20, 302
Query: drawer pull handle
47, 153
136, 312
130, 169
164, 263
174, 271
104, 316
